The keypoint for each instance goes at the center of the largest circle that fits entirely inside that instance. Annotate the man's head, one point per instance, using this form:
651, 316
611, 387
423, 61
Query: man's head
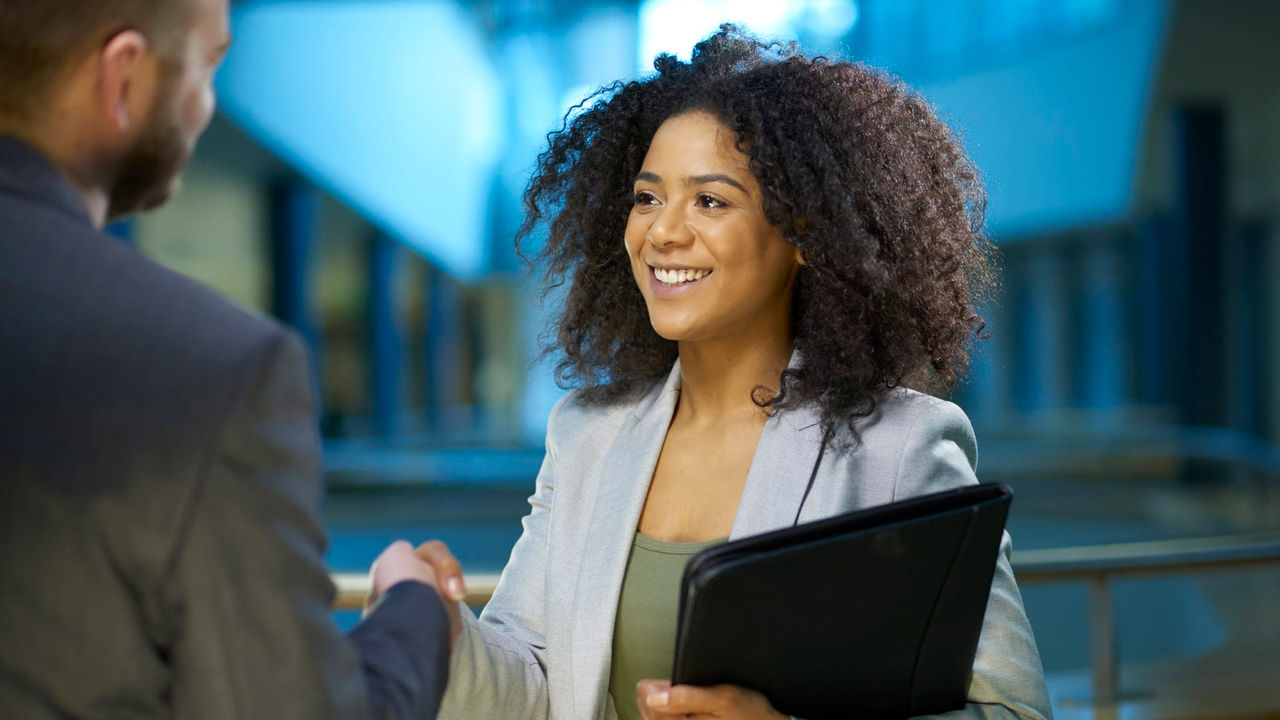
116, 92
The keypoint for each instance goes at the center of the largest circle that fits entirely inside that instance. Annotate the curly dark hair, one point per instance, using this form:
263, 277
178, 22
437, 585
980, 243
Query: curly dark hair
855, 169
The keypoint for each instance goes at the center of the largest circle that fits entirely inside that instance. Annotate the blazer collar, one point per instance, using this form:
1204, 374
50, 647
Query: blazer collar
780, 469
623, 484
26, 173
662, 399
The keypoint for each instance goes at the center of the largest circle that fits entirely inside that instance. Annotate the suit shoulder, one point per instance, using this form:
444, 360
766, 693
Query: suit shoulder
904, 405
89, 317
579, 420
109, 292
200, 333
189, 313
574, 413
902, 414
906, 397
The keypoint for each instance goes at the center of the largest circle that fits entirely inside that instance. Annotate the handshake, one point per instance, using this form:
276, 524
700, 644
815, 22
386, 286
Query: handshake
431, 563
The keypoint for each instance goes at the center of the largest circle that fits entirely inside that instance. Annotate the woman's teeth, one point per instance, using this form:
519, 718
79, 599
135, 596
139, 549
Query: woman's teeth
675, 277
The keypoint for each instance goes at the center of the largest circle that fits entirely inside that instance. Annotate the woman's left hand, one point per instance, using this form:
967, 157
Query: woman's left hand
660, 700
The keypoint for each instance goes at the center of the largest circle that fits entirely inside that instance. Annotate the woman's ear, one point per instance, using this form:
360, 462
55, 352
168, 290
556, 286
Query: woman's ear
798, 226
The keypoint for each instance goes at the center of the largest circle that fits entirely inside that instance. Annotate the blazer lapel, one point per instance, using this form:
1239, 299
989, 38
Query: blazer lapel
779, 472
619, 498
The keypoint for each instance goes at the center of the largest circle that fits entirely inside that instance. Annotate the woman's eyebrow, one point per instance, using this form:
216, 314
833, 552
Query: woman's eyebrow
647, 176
717, 177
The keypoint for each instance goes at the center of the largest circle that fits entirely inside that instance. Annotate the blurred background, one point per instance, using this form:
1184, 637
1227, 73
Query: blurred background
362, 179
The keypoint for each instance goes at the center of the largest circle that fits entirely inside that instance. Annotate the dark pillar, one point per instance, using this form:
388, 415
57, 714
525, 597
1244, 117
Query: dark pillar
294, 221
293, 227
1248, 268
1041, 378
445, 346
386, 341
1101, 341
1200, 218
1159, 278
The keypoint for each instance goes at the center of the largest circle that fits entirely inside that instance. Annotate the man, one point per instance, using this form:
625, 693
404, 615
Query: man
160, 541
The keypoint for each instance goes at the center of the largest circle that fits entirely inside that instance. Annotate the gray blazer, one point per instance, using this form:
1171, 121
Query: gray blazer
542, 646
160, 493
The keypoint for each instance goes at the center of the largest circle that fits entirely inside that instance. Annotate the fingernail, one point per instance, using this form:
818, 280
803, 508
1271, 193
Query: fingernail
456, 590
658, 699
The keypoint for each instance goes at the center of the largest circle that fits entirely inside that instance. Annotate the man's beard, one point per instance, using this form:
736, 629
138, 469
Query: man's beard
149, 170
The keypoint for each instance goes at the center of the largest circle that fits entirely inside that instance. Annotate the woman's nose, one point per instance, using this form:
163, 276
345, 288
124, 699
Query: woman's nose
669, 228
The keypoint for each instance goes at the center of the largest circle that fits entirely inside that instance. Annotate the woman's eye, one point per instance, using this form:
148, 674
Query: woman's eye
644, 197
710, 201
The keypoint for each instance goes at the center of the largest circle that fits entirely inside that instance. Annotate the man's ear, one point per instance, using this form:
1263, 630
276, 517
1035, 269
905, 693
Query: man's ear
126, 81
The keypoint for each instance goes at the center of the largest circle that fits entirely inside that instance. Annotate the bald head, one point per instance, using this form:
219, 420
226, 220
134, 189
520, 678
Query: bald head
42, 40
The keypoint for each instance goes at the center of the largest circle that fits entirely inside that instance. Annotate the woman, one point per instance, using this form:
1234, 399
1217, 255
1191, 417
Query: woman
766, 250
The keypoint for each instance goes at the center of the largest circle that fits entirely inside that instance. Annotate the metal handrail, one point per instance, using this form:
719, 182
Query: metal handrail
1155, 557
1078, 564
353, 588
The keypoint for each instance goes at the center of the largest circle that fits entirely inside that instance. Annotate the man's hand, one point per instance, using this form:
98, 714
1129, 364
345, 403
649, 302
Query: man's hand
396, 564
432, 564
660, 700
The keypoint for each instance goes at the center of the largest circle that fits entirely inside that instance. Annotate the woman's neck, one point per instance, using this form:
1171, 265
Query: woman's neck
719, 379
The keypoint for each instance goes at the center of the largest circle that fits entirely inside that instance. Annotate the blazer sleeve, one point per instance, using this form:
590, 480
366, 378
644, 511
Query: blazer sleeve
499, 667
248, 590
940, 452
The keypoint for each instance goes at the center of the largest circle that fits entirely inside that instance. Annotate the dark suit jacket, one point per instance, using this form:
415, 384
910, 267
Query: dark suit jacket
161, 552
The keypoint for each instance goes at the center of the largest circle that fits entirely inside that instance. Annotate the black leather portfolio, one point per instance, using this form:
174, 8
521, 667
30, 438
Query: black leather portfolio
875, 613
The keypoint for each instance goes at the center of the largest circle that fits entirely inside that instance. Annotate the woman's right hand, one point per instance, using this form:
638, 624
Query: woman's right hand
431, 563
448, 572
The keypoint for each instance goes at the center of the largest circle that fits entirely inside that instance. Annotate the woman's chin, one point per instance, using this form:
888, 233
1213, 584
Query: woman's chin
673, 331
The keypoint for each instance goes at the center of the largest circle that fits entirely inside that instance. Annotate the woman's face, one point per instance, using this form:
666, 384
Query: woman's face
710, 266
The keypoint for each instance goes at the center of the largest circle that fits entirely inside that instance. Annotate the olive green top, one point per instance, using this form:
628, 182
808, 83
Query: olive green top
644, 632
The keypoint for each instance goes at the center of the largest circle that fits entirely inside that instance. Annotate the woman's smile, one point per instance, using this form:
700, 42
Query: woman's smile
675, 282
677, 276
